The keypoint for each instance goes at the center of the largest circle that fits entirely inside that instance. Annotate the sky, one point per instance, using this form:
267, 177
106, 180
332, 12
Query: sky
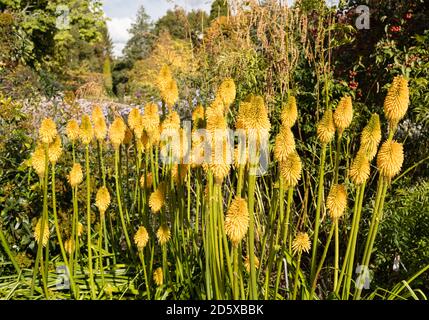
122, 13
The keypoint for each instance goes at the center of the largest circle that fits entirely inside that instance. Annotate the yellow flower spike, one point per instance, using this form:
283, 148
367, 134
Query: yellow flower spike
337, 201
163, 234
151, 117
134, 118
289, 113
301, 243
97, 112
86, 132
164, 77
158, 276
38, 160
100, 128
170, 94
253, 115
128, 136
183, 172
117, 132
397, 100
390, 158
72, 130
241, 157
371, 137
48, 131
38, 232
326, 128
76, 176
215, 120
237, 221
360, 168
141, 238
171, 124
290, 169
247, 263
226, 92
343, 115
146, 184
157, 200
69, 246
284, 144
55, 150
102, 199
79, 229
198, 114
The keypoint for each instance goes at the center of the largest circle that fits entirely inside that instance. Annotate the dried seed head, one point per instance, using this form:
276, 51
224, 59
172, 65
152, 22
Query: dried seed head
117, 132
102, 199
290, 169
86, 132
390, 158
284, 144
141, 238
326, 128
301, 243
237, 221
163, 234
343, 115
397, 100
72, 130
39, 234
290, 112
337, 201
76, 176
48, 131
371, 137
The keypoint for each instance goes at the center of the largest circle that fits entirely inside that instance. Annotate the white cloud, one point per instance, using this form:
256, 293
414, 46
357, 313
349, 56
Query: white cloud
118, 30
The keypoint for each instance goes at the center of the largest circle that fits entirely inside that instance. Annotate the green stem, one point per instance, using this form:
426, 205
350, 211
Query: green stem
44, 220
295, 286
57, 228
88, 221
118, 196
337, 157
318, 209
251, 195
322, 260
337, 254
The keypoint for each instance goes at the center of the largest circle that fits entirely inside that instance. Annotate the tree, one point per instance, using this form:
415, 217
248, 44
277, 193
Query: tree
219, 8
175, 22
138, 46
